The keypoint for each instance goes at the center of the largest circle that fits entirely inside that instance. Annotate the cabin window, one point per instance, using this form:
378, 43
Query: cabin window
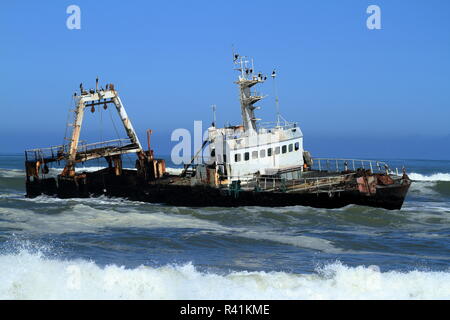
213, 153
237, 157
291, 147
246, 156
262, 153
269, 152
284, 149
297, 146
277, 150
255, 155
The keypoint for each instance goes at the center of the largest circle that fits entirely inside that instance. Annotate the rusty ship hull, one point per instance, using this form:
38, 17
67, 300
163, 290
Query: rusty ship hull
177, 191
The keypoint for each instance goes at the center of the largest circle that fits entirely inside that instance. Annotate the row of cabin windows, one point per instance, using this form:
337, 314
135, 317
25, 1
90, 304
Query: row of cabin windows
262, 153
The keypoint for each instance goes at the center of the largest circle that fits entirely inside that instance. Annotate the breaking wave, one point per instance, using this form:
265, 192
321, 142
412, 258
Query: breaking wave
31, 275
430, 188
11, 173
433, 177
90, 216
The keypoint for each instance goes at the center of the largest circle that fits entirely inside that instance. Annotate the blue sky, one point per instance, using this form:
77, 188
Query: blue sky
355, 92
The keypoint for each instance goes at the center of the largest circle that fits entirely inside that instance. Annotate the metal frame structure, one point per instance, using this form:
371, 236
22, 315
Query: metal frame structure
91, 99
75, 152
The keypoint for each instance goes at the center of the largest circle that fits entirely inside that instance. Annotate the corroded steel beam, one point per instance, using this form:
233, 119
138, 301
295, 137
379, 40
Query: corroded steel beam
90, 99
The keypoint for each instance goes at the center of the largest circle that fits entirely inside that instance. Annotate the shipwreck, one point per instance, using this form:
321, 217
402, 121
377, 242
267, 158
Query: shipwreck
250, 164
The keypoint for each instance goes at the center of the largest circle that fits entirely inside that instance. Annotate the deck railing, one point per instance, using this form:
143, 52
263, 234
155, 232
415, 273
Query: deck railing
44, 154
61, 152
116, 143
276, 125
339, 165
287, 185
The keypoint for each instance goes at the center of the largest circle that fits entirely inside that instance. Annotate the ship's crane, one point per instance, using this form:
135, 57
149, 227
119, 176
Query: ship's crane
74, 152
92, 99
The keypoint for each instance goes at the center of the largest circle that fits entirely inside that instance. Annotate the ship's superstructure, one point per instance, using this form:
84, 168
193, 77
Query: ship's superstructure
253, 147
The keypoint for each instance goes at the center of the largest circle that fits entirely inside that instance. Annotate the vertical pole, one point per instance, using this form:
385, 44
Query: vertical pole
79, 113
149, 133
214, 115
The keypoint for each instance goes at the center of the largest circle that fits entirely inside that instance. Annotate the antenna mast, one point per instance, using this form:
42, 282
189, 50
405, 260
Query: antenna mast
247, 79
277, 102
213, 107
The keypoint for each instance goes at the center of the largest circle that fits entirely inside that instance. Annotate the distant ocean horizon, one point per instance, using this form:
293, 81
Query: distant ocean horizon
339, 145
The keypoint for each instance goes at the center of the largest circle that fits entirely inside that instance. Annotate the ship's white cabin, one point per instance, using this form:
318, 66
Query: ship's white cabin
252, 148
267, 151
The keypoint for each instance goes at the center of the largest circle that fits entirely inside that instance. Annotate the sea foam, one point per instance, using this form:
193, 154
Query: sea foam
433, 177
86, 216
11, 173
27, 275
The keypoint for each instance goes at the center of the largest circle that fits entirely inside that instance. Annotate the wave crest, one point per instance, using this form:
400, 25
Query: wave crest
28, 275
433, 177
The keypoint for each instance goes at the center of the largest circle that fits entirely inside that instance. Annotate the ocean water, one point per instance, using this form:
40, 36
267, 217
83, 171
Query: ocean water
103, 248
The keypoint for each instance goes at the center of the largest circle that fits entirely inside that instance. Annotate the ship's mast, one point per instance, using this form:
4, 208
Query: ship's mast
277, 104
248, 78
